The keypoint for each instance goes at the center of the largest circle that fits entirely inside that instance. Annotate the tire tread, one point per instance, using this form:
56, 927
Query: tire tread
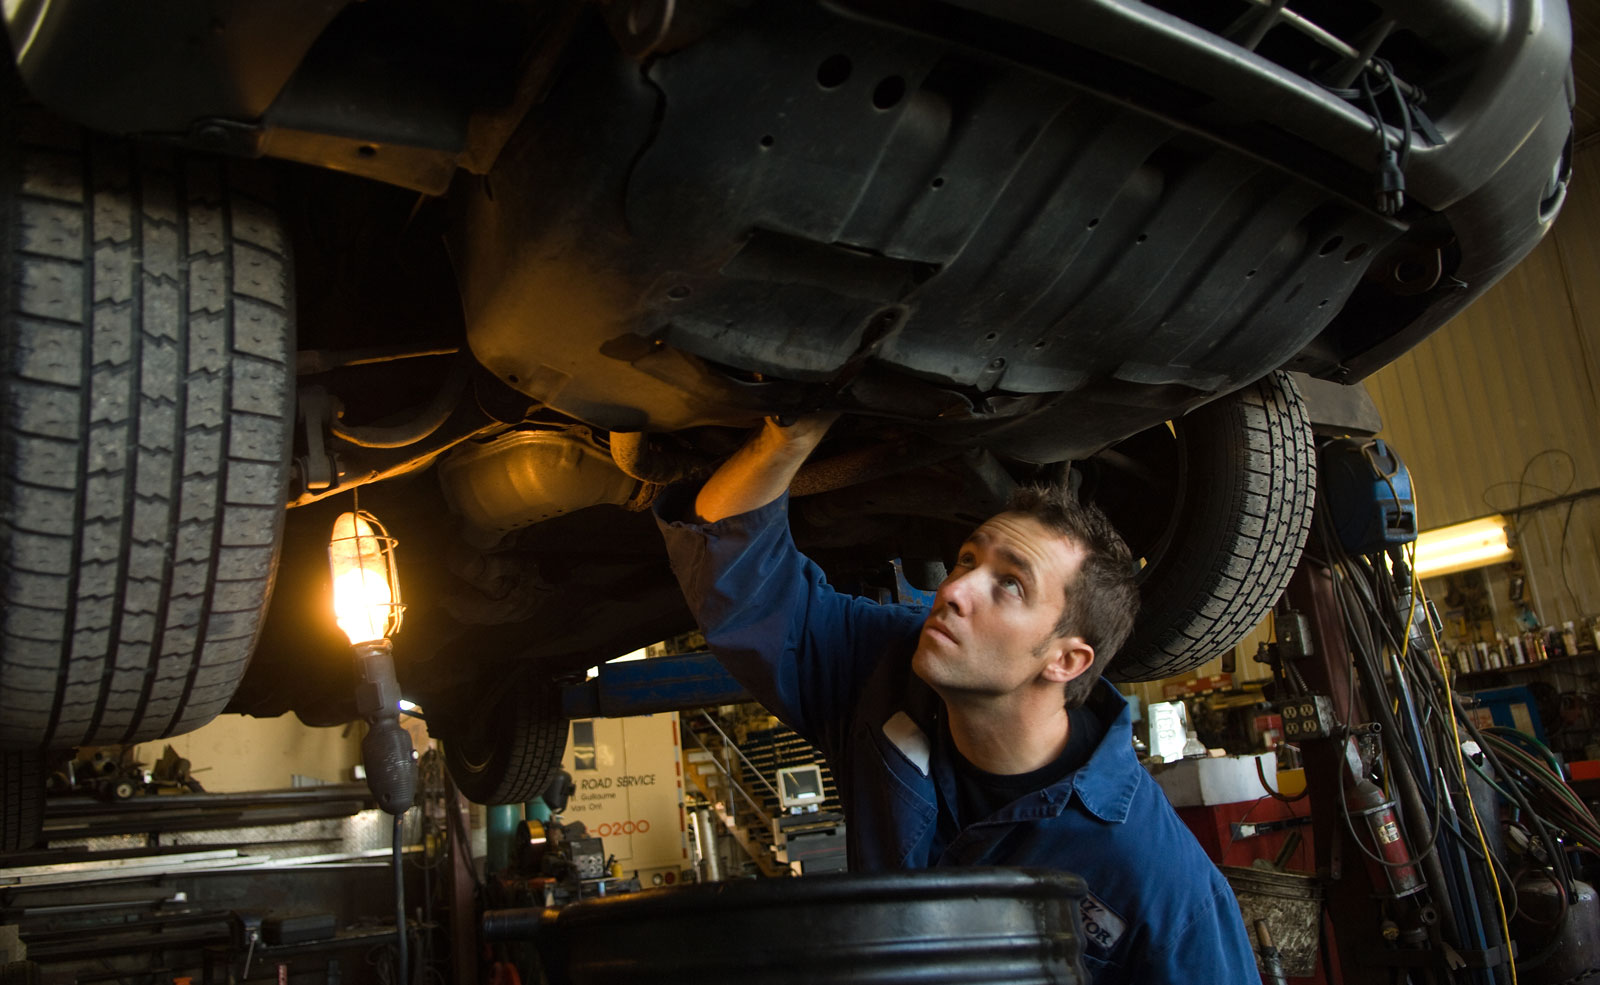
527, 735
1244, 535
119, 369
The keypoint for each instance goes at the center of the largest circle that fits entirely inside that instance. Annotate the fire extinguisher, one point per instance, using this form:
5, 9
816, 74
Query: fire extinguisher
1367, 805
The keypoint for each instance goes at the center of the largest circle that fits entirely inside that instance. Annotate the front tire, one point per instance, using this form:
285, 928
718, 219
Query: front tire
145, 339
1237, 501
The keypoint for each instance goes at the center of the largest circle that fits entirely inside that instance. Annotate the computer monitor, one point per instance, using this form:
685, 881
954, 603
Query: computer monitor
800, 786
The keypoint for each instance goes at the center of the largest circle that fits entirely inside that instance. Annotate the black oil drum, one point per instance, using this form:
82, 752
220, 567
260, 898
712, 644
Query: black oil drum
931, 927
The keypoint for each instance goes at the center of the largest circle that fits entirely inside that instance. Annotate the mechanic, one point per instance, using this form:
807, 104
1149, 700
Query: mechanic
946, 730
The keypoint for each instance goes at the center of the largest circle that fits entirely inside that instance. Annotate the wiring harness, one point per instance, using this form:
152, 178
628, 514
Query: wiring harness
1450, 776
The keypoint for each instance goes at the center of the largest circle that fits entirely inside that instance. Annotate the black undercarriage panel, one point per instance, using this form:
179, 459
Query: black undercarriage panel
803, 209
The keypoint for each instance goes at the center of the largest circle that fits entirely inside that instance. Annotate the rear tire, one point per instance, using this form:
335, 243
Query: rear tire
1246, 487
145, 404
506, 751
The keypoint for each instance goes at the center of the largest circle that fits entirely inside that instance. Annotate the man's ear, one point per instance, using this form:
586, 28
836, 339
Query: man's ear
1070, 658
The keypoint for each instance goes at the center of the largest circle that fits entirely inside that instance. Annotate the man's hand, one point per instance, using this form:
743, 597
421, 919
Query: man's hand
761, 471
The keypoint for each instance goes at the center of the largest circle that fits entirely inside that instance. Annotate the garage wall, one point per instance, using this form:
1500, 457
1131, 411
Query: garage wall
238, 753
1502, 406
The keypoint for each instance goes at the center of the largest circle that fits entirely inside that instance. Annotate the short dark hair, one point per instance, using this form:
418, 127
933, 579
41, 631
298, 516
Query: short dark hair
1103, 599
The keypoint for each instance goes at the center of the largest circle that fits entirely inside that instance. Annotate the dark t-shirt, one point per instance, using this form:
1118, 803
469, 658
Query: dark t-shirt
980, 794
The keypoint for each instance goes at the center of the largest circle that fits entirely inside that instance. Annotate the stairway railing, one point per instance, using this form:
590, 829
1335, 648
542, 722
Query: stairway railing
756, 849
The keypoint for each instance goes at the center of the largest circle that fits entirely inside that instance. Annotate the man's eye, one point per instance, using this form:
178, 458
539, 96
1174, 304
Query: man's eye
964, 561
1011, 585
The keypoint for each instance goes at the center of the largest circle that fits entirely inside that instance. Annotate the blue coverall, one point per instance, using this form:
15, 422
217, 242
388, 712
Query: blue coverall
837, 669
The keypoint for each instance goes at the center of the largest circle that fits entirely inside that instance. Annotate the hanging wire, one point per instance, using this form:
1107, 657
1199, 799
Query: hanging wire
1443, 674
1407, 680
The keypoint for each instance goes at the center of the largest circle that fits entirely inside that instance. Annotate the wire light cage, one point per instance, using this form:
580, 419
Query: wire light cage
366, 583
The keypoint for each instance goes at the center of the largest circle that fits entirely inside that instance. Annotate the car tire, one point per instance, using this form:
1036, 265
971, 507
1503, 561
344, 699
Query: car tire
507, 752
21, 799
1245, 482
146, 400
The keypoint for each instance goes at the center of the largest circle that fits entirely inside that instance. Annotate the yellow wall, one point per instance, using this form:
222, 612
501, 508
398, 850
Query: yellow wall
246, 753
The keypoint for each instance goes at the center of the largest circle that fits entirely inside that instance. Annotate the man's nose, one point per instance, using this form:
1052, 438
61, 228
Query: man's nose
955, 592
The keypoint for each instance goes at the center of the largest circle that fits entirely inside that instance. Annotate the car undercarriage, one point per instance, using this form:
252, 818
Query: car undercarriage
501, 272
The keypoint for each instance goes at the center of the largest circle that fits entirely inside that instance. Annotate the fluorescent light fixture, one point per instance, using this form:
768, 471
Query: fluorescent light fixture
1464, 545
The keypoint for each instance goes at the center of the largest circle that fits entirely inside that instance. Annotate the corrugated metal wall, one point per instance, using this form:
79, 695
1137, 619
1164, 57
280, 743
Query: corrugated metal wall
1501, 407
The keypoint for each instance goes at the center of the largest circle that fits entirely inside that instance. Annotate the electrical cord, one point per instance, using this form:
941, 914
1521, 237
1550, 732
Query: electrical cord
1435, 822
399, 903
1441, 678
1274, 794
1486, 778
1425, 744
1516, 511
1408, 687
1519, 797
1518, 737
1443, 675
1414, 861
1522, 484
1548, 782
1379, 596
1558, 800
1501, 872
1560, 895
1330, 538
1363, 645
1372, 675
1361, 581
1421, 686
1402, 107
1391, 179
458, 830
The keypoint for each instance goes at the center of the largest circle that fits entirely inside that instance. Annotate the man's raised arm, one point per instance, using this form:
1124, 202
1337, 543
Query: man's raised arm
762, 469
768, 613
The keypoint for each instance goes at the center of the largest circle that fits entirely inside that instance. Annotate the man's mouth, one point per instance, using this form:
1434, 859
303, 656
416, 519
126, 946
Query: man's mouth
938, 632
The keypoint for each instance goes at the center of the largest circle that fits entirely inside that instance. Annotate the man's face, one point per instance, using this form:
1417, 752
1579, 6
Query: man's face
991, 631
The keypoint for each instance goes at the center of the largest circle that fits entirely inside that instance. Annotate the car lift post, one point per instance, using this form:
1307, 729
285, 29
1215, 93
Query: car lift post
1329, 673
1341, 860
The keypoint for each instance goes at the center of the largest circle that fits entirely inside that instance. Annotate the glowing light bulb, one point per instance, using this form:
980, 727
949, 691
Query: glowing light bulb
366, 596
